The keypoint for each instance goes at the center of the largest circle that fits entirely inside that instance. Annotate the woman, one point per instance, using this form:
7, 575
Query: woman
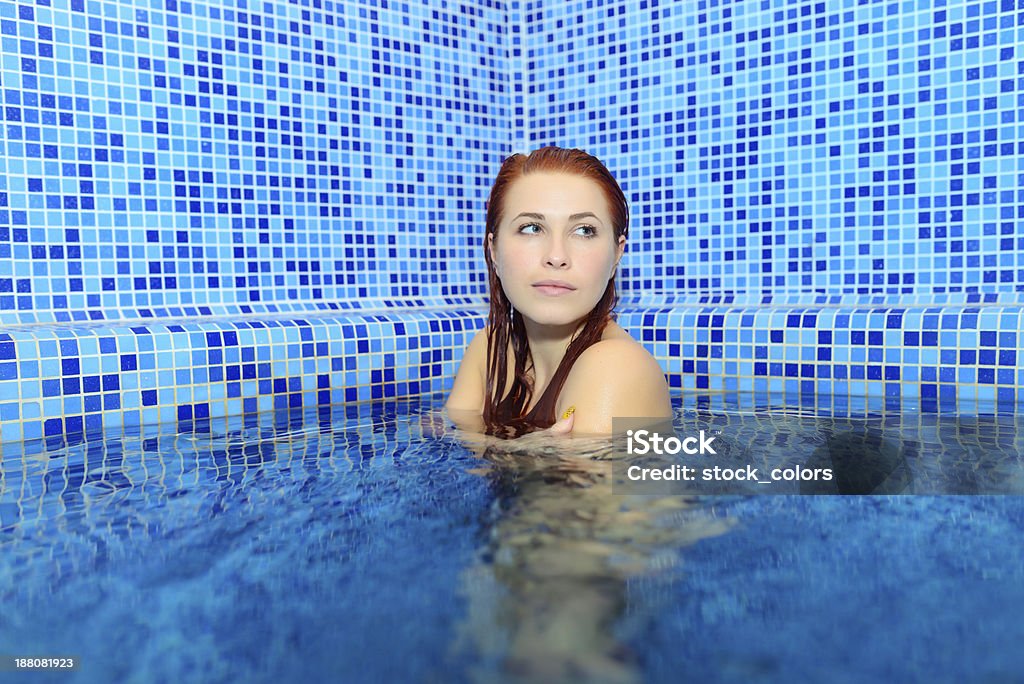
556, 230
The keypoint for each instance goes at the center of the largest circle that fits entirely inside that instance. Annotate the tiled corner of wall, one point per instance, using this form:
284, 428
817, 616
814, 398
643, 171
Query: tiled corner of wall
825, 197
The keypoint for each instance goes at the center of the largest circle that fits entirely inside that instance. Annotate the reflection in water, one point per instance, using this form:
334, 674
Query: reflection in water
548, 597
561, 549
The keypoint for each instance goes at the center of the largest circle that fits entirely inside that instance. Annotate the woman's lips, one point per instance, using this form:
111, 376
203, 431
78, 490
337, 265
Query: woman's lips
552, 288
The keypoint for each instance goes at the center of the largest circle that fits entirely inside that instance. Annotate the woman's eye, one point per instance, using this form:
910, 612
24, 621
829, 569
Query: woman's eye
533, 229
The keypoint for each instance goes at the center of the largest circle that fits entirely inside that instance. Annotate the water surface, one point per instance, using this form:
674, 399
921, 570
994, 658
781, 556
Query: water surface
376, 543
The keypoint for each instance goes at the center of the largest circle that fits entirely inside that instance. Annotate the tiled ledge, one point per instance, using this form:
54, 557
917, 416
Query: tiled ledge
81, 377
70, 378
951, 352
820, 300
226, 311
14, 317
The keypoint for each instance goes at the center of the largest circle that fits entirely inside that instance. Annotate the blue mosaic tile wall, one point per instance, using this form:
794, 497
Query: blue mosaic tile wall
826, 196
213, 208
810, 146
164, 157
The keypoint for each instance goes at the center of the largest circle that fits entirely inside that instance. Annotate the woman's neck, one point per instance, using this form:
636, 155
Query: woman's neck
548, 345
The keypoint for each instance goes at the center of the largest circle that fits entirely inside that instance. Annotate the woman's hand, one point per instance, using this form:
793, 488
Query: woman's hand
561, 427
552, 449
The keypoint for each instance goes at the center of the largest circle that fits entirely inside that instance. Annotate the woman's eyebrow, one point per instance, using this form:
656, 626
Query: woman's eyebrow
574, 217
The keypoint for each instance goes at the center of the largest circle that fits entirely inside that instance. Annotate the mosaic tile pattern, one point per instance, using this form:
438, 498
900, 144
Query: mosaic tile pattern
949, 354
210, 208
77, 379
782, 147
161, 155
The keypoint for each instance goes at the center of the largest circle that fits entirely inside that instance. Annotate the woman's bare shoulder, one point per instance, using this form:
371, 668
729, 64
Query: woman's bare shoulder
617, 345
619, 356
614, 378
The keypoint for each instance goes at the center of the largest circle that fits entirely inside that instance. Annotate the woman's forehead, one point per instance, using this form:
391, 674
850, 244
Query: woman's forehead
555, 195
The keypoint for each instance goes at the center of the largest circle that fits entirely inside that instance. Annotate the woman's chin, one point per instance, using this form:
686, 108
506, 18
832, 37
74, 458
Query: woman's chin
548, 320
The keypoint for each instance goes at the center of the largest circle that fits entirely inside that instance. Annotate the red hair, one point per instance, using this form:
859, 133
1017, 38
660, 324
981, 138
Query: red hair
504, 412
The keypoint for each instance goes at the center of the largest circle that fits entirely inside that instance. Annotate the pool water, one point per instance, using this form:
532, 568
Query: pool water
375, 543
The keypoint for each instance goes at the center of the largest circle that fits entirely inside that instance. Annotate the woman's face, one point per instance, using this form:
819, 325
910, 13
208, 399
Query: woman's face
555, 247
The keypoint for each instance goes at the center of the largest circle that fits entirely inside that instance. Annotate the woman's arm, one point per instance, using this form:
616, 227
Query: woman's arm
467, 393
465, 404
614, 378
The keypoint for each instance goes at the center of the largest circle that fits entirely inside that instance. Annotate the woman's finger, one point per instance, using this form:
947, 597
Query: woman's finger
563, 426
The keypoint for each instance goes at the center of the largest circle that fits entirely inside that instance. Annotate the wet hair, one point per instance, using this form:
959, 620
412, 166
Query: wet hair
505, 414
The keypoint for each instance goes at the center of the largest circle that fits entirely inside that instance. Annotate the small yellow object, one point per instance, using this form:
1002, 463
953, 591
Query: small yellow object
568, 412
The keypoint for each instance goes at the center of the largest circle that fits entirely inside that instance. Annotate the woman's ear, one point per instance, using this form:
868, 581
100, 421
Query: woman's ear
619, 249
490, 250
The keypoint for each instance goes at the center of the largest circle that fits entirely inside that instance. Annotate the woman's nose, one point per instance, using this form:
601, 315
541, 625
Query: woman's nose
557, 256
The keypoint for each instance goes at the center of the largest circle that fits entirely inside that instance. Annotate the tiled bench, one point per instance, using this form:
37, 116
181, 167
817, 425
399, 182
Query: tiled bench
942, 348
77, 377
